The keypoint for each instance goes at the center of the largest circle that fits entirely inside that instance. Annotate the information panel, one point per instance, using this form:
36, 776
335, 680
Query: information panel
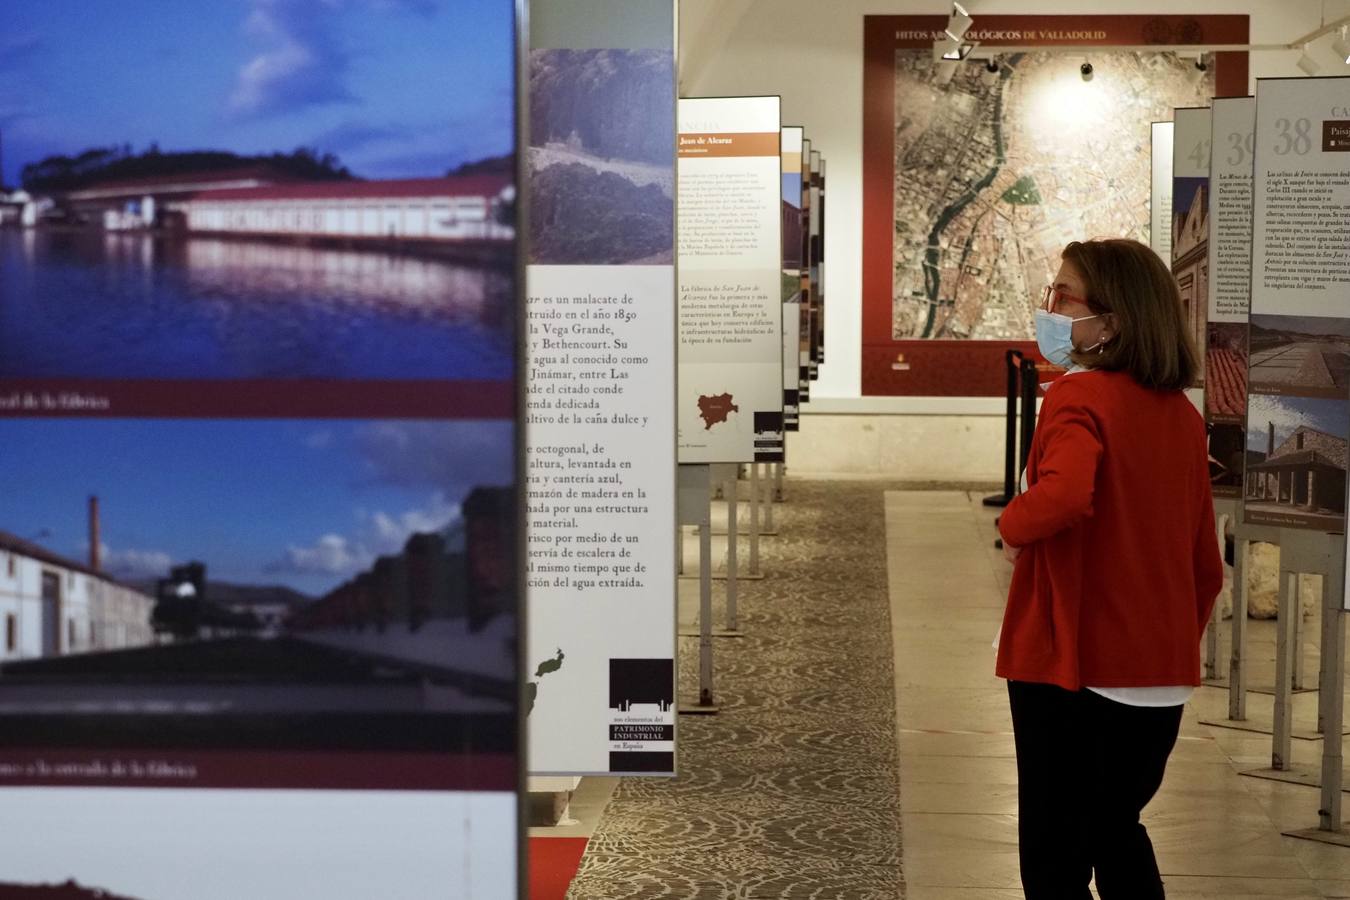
731, 261
1190, 225
808, 285
792, 270
1160, 196
1298, 411
817, 289
600, 692
1230, 269
259, 593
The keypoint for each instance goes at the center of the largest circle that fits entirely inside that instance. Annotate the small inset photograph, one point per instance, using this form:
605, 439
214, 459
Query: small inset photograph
602, 157
1190, 250
1227, 446
1304, 355
1226, 371
285, 585
1296, 461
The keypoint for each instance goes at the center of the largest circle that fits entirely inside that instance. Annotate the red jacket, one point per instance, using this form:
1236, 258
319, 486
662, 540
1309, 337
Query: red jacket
1120, 564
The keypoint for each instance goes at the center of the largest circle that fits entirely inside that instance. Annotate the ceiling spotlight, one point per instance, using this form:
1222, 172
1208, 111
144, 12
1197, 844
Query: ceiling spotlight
1307, 63
1085, 70
1342, 47
989, 74
959, 23
1196, 73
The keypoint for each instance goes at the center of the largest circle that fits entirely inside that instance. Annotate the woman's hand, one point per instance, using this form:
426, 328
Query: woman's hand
1010, 553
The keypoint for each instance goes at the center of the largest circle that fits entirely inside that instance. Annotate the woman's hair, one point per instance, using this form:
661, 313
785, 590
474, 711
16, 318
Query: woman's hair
1153, 341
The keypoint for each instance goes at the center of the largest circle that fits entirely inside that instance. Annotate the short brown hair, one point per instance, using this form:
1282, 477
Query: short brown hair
1152, 342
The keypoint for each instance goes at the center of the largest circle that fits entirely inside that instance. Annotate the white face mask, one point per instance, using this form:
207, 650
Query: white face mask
1054, 336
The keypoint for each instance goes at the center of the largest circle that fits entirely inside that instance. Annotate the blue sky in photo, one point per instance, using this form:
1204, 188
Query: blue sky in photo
307, 504
1288, 413
792, 188
394, 88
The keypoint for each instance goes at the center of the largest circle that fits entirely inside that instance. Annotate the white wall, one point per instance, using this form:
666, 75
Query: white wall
810, 52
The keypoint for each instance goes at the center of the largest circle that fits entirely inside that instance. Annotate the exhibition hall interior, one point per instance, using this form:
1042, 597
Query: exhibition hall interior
698, 449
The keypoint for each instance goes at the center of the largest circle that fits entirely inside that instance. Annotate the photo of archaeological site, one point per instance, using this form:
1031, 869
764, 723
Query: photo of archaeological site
1226, 372
601, 157
1307, 356
1296, 461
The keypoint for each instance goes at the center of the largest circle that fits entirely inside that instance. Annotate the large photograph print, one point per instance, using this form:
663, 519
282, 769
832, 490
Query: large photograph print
977, 173
312, 206
334, 587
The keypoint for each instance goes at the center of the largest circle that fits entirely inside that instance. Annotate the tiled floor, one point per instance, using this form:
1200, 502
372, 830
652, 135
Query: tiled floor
1217, 833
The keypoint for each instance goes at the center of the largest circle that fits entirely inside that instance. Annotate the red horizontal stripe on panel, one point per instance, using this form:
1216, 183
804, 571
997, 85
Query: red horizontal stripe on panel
271, 770
261, 399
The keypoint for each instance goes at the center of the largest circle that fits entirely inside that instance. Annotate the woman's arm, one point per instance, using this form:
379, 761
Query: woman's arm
1070, 448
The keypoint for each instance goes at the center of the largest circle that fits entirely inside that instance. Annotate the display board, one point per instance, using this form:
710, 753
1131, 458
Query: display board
973, 182
730, 270
1160, 195
1190, 226
1230, 260
817, 288
1298, 410
259, 594
808, 284
820, 266
600, 692
793, 263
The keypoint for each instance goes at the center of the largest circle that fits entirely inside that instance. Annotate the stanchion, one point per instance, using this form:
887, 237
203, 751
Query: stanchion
1012, 360
770, 525
1303, 552
694, 505
1030, 384
754, 522
778, 469
1331, 700
733, 564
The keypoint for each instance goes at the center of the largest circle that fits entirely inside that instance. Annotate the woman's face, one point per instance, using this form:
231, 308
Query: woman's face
1072, 287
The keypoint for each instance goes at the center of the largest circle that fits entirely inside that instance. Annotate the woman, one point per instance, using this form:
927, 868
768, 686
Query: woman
1116, 568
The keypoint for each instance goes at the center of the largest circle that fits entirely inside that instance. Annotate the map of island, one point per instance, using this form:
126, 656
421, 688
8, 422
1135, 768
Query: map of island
995, 174
715, 409
546, 667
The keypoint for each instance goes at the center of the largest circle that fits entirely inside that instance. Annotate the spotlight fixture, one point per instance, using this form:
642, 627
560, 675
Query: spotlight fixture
1196, 72
959, 22
1085, 70
1342, 47
989, 74
1307, 63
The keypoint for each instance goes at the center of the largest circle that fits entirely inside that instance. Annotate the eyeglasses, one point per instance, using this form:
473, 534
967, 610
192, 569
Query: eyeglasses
1052, 297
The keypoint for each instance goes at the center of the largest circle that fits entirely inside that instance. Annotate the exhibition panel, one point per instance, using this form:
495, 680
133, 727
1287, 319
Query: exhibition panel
730, 271
1230, 257
815, 235
793, 263
975, 176
1298, 410
1160, 195
1190, 225
601, 316
808, 284
285, 625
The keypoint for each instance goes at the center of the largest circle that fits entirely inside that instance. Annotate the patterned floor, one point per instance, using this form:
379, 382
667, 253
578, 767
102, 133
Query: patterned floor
792, 791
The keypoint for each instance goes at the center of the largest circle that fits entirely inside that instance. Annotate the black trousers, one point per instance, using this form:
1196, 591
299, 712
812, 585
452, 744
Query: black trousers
1086, 767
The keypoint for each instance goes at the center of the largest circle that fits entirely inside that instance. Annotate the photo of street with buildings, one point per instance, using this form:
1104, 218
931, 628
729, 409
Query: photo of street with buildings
1190, 254
315, 585
292, 209
997, 170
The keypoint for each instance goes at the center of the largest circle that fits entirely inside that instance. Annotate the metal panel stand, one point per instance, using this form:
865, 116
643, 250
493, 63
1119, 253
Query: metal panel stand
1238, 688
694, 503
1305, 552
770, 525
1331, 712
778, 470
